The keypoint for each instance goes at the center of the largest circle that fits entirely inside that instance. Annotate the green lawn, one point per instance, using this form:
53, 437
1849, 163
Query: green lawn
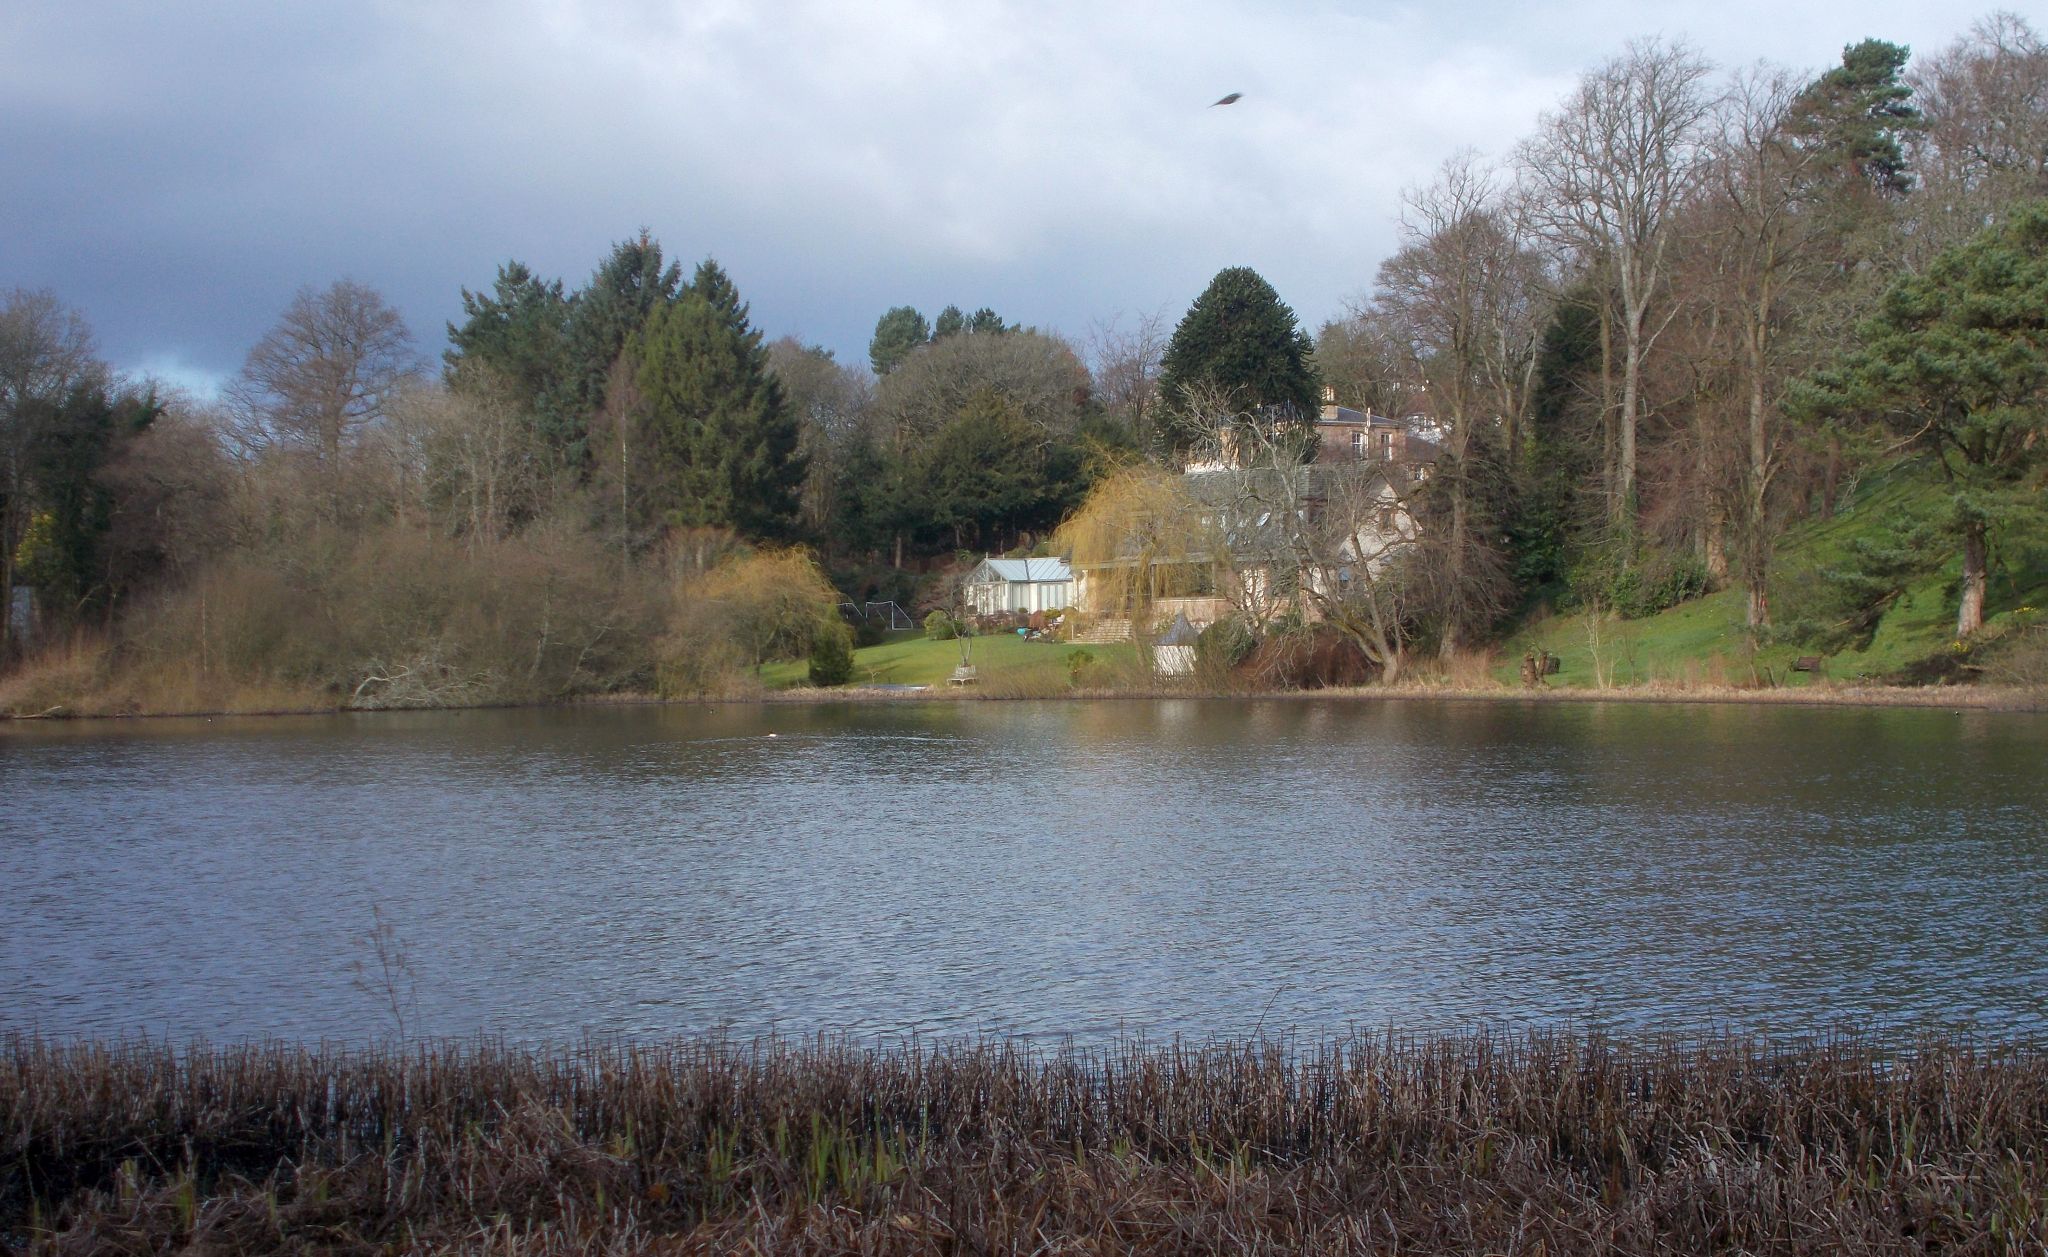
910, 659
1705, 641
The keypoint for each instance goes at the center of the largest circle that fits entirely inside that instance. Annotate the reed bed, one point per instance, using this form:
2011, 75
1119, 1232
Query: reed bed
1468, 1142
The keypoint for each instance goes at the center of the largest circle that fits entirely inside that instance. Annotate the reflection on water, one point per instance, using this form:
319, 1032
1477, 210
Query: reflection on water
1080, 869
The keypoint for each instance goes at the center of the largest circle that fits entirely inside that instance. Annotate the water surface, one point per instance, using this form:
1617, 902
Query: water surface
1057, 869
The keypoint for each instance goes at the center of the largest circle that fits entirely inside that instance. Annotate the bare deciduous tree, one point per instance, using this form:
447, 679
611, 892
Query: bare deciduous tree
1761, 219
1463, 301
1125, 363
324, 374
829, 400
1985, 101
1604, 177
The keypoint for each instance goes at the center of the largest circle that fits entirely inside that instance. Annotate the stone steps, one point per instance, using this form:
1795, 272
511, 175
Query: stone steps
1104, 633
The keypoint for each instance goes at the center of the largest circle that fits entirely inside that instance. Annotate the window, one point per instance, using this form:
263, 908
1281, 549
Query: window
1386, 446
1358, 445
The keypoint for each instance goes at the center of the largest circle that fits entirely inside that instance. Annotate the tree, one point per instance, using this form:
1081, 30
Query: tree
627, 288
519, 334
1854, 118
1138, 537
1124, 363
1956, 363
1040, 377
829, 401
46, 354
483, 465
1359, 358
986, 322
985, 476
1605, 176
1462, 301
720, 438
1985, 144
897, 333
65, 554
1240, 342
753, 607
327, 371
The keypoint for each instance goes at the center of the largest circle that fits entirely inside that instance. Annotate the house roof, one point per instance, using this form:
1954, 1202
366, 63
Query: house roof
1182, 633
1023, 570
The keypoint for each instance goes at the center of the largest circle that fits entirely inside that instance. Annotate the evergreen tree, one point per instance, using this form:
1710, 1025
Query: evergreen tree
519, 334
626, 290
720, 439
1857, 115
1242, 341
897, 333
986, 322
1956, 361
63, 555
984, 475
949, 323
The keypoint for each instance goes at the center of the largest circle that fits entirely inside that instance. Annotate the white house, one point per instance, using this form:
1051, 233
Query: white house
997, 586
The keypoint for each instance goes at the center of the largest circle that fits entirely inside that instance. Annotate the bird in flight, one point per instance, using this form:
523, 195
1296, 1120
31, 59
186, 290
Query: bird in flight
1231, 99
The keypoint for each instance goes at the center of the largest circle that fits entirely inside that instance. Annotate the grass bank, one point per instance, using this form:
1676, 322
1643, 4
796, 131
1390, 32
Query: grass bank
1705, 643
1003, 661
1473, 1142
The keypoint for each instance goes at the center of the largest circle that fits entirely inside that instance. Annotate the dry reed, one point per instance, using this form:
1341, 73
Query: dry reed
1472, 1142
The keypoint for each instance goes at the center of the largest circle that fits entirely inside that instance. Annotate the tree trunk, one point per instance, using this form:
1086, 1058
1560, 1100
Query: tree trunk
1970, 617
1631, 401
1714, 548
1607, 453
1454, 568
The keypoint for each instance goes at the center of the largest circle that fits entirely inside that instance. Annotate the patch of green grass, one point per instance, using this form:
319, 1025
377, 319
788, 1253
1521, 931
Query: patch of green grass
911, 659
1706, 641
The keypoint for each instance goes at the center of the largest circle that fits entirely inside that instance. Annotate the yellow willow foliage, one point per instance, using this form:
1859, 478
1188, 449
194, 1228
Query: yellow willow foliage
1139, 537
754, 606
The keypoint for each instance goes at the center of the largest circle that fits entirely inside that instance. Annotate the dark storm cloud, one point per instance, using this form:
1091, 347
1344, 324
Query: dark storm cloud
178, 171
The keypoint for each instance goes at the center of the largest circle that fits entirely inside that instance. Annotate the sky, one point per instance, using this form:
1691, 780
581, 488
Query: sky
178, 171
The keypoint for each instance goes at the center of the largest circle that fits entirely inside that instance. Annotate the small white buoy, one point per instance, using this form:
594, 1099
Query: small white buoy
774, 735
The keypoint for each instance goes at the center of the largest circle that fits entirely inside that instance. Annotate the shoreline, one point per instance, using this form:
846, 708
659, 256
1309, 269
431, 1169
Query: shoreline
1986, 698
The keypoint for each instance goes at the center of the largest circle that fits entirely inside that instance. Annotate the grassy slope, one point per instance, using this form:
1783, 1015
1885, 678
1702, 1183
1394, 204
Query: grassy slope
1704, 641
910, 659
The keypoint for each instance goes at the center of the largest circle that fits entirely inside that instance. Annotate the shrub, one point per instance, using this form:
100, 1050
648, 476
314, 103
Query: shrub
768, 604
940, 627
832, 656
1637, 589
1224, 644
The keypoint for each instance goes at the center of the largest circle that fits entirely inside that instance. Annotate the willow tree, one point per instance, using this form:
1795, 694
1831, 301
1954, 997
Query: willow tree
1139, 537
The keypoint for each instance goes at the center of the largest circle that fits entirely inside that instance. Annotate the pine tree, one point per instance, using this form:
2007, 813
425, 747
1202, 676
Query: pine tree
1856, 115
720, 439
1240, 340
519, 333
627, 289
897, 333
1956, 362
